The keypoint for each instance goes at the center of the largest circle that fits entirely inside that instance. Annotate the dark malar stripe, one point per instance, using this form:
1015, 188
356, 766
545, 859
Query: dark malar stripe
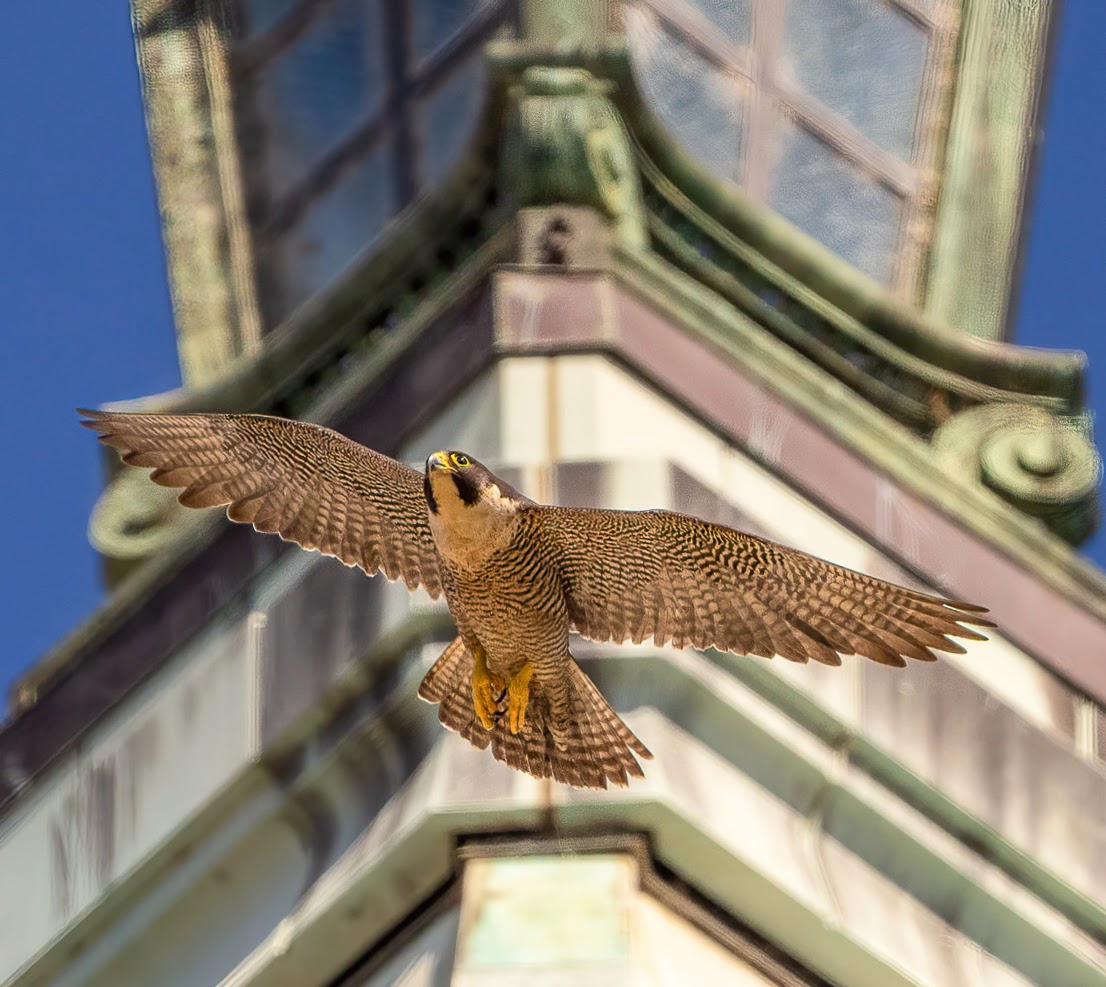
466, 489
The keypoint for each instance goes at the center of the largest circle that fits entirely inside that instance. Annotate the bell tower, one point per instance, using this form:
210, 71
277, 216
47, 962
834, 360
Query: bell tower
747, 259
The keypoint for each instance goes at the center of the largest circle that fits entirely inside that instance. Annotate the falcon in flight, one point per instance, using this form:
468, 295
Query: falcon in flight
519, 576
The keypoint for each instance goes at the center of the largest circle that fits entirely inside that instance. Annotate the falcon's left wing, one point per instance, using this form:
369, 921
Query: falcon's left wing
309, 484
672, 577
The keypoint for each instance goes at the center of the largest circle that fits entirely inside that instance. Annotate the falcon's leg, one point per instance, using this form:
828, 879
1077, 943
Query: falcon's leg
518, 698
487, 687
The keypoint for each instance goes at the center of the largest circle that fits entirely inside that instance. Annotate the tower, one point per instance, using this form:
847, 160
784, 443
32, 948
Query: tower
645, 254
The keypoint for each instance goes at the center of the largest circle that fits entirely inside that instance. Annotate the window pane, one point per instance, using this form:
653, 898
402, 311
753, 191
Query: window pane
339, 225
447, 118
861, 58
823, 194
699, 104
436, 21
263, 14
317, 92
731, 16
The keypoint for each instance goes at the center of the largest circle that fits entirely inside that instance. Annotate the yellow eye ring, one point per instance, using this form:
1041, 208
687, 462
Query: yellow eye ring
459, 459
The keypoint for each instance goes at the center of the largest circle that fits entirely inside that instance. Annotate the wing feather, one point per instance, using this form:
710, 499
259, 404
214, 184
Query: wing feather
307, 483
632, 575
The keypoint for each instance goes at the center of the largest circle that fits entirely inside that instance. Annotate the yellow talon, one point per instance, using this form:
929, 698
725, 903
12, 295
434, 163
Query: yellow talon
518, 698
487, 687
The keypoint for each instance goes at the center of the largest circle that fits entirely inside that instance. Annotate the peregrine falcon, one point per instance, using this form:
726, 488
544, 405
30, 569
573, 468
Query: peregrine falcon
518, 576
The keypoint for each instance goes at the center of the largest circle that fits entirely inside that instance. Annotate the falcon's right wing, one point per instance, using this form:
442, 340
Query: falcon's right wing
307, 483
673, 577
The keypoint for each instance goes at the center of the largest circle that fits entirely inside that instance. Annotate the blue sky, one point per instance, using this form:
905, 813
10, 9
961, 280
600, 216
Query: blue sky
86, 309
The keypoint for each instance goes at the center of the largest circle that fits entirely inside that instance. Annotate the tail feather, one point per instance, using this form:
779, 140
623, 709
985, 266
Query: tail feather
591, 749
452, 668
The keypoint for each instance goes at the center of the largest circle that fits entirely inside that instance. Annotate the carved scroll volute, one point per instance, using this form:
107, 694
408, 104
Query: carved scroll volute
134, 520
1041, 463
567, 146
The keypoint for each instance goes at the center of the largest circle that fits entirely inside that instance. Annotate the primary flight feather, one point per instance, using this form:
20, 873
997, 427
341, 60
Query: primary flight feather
519, 576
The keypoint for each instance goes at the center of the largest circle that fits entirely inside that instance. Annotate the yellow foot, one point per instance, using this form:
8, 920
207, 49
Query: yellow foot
487, 689
518, 698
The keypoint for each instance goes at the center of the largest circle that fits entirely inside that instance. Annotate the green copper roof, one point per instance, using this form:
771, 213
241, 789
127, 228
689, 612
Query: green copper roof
565, 124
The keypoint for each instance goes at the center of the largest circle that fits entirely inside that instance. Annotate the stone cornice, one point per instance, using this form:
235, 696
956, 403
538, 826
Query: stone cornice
403, 828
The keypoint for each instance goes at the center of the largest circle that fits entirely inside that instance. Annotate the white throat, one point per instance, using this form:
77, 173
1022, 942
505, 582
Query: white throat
468, 534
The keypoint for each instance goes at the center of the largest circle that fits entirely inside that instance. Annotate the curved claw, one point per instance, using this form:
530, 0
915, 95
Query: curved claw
487, 689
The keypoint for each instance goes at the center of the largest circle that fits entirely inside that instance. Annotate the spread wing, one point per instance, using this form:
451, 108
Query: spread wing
633, 575
307, 483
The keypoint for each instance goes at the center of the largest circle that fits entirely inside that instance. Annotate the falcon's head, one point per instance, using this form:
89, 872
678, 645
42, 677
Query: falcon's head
455, 480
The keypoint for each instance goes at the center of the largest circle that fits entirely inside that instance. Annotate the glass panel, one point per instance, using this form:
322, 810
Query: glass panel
435, 21
447, 118
732, 16
699, 104
263, 14
339, 225
861, 58
317, 92
821, 193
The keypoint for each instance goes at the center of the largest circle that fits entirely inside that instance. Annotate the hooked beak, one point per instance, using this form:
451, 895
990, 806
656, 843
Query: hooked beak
439, 461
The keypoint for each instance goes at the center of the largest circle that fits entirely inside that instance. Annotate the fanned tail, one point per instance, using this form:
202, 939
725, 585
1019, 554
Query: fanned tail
592, 749
452, 670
